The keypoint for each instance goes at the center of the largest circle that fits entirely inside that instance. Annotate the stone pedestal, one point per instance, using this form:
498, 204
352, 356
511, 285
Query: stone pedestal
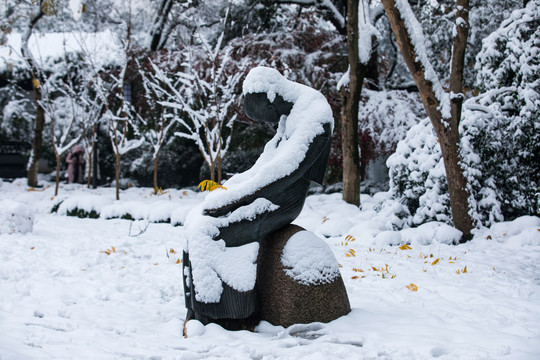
287, 299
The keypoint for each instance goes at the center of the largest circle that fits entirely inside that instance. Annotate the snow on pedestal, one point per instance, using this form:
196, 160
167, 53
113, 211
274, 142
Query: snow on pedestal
15, 217
309, 260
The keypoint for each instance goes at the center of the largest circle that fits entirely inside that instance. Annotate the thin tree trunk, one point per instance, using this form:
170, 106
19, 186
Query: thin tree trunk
95, 167
33, 165
90, 168
459, 196
219, 174
37, 142
447, 130
349, 122
117, 176
58, 163
212, 171
155, 174
160, 20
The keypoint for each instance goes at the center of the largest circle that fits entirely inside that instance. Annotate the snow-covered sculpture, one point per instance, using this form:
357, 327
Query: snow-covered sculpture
224, 232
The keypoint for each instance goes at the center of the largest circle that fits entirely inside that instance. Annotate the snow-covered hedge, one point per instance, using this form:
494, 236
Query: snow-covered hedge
500, 137
155, 210
15, 217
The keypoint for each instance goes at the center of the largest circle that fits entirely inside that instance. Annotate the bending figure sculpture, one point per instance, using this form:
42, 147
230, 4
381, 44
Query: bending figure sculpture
223, 233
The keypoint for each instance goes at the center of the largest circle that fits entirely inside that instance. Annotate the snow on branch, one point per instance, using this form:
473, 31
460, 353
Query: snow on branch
366, 32
418, 41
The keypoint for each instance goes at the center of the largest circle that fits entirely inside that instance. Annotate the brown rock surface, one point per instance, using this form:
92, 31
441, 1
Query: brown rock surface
285, 301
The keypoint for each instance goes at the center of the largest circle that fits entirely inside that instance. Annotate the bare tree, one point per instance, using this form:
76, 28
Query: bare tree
361, 37
202, 100
89, 118
159, 130
121, 124
37, 80
442, 107
358, 25
62, 114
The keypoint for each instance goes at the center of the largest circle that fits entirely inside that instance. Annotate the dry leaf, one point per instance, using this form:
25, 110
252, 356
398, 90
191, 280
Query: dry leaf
435, 262
210, 185
405, 247
412, 287
354, 277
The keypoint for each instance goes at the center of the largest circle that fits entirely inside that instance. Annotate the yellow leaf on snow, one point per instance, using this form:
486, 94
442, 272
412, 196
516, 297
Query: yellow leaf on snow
412, 287
210, 185
405, 247
435, 262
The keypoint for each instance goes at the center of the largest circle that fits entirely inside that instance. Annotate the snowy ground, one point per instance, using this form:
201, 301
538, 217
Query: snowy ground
97, 289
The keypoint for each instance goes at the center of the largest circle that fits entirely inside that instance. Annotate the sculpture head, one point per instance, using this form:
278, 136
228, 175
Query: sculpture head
259, 108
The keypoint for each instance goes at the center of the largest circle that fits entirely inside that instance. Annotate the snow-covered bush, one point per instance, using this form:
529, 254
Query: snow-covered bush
500, 137
15, 217
85, 206
386, 116
417, 175
509, 71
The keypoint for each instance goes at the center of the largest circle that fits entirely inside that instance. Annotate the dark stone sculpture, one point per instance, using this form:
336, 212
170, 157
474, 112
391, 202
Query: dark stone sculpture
237, 309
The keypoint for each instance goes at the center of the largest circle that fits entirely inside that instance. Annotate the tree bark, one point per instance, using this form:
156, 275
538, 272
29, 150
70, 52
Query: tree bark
349, 117
33, 165
219, 174
160, 20
95, 165
58, 163
447, 130
90, 167
155, 174
117, 176
37, 142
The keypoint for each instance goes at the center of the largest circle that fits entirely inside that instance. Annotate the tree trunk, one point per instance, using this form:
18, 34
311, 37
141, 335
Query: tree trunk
95, 166
90, 167
160, 20
117, 176
349, 119
58, 163
155, 162
37, 142
212, 167
219, 174
33, 165
447, 130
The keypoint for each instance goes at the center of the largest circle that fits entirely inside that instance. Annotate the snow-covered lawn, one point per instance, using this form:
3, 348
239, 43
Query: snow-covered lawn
112, 289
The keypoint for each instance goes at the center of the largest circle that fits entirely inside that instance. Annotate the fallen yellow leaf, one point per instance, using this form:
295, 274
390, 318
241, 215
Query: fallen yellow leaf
405, 247
210, 185
412, 287
435, 262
